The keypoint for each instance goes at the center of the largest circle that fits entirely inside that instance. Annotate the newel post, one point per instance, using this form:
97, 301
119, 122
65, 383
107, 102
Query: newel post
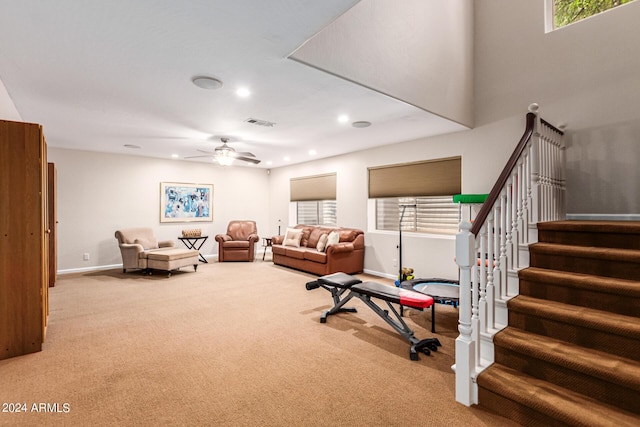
465, 346
535, 172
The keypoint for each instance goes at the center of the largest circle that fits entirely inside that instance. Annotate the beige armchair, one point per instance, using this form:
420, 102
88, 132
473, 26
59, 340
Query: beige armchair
239, 242
141, 250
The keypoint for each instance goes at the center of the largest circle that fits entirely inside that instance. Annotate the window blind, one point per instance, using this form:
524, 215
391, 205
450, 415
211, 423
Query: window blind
318, 187
436, 214
439, 177
317, 212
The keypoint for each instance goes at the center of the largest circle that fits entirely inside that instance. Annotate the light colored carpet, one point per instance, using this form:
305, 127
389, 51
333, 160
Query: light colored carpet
233, 344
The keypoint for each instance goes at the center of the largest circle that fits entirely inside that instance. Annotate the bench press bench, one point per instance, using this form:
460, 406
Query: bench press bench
339, 284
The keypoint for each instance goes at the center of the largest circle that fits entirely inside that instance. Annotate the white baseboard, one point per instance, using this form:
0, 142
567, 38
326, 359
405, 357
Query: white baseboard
380, 274
110, 267
603, 217
86, 269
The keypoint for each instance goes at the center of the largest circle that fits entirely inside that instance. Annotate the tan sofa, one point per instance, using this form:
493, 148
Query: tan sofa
346, 256
141, 250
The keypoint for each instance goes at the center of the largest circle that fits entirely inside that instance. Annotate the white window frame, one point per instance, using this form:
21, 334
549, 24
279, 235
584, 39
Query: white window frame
549, 16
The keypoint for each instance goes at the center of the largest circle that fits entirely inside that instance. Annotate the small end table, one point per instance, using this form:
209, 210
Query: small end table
195, 243
266, 244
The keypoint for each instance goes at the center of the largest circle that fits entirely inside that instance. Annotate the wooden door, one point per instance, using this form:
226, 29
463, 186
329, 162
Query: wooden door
23, 239
52, 221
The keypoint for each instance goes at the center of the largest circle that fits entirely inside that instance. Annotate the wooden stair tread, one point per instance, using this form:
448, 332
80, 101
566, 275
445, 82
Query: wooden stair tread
553, 400
605, 321
595, 252
625, 227
610, 285
606, 366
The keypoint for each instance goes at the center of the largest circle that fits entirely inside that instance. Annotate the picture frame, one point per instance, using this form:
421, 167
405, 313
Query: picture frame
184, 202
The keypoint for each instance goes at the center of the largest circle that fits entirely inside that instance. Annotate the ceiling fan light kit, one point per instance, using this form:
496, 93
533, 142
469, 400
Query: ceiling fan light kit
224, 160
225, 155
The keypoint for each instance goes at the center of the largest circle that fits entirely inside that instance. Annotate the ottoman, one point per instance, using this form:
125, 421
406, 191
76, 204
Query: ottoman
172, 259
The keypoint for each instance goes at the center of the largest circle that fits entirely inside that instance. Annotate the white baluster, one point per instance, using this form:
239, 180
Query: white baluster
490, 297
482, 298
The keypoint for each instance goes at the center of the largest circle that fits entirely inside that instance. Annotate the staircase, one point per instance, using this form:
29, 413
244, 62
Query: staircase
570, 354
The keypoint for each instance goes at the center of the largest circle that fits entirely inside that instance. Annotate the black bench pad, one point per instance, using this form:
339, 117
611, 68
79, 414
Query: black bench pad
339, 280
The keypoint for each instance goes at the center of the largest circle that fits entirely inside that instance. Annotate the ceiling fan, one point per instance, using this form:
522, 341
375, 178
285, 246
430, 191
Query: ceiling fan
225, 155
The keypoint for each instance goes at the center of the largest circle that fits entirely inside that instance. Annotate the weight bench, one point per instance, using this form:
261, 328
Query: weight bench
338, 284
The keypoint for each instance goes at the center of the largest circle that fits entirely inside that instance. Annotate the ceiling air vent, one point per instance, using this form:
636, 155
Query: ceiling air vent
260, 122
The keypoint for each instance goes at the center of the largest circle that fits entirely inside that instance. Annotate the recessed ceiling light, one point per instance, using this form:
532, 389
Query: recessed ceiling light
133, 146
269, 162
312, 152
175, 156
206, 82
243, 92
343, 118
362, 124
286, 158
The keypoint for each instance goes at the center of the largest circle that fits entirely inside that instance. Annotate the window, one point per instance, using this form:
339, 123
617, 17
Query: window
317, 212
315, 199
429, 185
437, 214
566, 12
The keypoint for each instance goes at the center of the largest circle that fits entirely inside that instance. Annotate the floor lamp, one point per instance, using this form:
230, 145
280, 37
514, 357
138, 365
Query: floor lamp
404, 207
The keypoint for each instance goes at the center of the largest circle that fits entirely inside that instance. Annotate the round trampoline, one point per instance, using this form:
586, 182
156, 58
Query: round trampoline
443, 291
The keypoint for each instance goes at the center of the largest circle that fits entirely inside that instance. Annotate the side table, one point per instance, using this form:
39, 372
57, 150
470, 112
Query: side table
266, 244
195, 243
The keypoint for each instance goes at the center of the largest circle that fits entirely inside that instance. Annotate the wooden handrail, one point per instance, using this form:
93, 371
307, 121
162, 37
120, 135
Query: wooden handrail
504, 176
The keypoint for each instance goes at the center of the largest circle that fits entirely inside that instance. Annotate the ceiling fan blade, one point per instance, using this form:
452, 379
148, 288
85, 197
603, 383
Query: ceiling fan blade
196, 157
248, 159
245, 154
205, 151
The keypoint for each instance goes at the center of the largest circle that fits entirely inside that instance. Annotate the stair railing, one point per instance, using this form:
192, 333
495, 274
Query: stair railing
489, 253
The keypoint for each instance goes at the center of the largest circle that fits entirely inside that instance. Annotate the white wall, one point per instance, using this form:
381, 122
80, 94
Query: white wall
584, 75
420, 52
429, 256
100, 193
7, 108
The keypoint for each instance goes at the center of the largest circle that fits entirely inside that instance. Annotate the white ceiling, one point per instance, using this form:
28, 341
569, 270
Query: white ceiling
100, 75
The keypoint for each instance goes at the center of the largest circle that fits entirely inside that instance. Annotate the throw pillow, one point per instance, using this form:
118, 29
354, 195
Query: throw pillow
292, 237
333, 238
148, 243
322, 242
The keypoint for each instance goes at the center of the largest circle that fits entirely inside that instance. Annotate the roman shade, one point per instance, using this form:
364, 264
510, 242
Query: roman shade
317, 187
439, 177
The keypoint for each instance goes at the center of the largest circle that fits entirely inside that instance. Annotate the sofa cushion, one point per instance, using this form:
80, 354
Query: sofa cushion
316, 256
333, 238
314, 236
293, 237
348, 235
306, 232
236, 244
279, 249
322, 243
297, 253
148, 242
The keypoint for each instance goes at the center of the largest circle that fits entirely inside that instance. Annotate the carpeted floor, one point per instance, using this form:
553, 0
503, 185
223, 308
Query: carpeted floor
233, 344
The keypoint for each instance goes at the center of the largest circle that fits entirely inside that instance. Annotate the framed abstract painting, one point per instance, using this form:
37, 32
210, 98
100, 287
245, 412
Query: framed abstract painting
181, 202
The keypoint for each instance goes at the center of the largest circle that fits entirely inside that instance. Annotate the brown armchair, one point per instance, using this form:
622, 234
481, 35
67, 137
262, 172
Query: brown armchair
239, 242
